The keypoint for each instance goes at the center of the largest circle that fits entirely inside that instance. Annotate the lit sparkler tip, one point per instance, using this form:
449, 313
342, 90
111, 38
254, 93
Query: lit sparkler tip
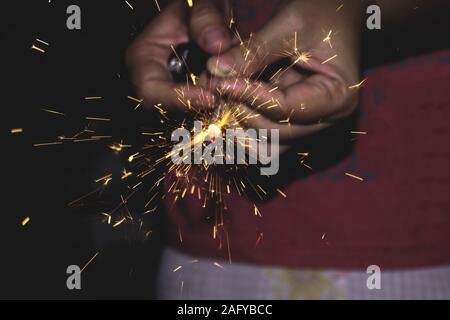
16, 130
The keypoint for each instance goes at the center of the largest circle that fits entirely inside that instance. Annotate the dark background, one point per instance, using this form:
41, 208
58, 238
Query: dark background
40, 182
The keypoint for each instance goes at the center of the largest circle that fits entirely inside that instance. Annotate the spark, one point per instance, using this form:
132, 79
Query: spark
25, 221
295, 42
354, 177
329, 59
190, 3
118, 223
177, 268
327, 39
359, 132
101, 137
214, 131
215, 183
89, 262
131, 158
194, 79
108, 216
339, 8
257, 212
126, 174
152, 133
16, 130
219, 265
97, 119
43, 42
273, 89
118, 146
232, 21
135, 99
304, 154
305, 165
303, 56
260, 238
358, 85
53, 111
139, 102
108, 176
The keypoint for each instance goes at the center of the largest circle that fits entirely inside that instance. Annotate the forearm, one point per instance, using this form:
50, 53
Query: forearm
401, 12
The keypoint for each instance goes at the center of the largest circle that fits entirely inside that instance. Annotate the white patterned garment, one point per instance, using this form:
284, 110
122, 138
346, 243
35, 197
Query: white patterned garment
184, 277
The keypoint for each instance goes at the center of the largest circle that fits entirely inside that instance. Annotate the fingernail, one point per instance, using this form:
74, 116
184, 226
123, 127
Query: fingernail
221, 66
213, 37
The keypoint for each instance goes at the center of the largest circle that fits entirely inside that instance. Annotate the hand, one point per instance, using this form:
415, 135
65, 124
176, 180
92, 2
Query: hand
204, 23
314, 92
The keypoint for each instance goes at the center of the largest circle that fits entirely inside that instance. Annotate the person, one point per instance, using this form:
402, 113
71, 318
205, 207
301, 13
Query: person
319, 237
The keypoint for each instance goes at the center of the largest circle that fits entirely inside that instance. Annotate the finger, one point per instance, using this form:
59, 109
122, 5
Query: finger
208, 27
252, 55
